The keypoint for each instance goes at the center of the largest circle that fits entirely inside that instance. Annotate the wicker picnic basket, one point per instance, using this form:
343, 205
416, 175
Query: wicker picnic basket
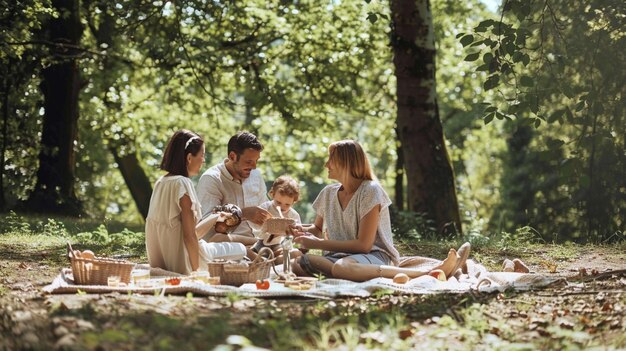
238, 273
278, 226
96, 271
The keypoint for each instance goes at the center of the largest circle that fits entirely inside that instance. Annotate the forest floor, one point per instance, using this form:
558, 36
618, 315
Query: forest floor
585, 311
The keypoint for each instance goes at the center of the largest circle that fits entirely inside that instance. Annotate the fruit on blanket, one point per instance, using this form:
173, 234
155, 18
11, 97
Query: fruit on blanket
172, 281
400, 278
439, 274
88, 254
263, 284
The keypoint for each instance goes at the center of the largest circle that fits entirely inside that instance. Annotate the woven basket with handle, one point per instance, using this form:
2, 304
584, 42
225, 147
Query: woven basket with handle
96, 271
238, 273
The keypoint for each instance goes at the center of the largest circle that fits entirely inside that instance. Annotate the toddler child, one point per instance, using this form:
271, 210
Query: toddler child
284, 193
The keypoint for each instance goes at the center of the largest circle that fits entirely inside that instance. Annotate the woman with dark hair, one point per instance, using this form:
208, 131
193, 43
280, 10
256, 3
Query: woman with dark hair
353, 226
174, 223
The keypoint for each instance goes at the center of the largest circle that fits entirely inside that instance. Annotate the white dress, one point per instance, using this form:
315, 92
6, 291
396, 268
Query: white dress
164, 232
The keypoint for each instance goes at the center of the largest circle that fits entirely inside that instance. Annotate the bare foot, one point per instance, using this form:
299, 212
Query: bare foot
508, 266
520, 267
449, 263
463, 255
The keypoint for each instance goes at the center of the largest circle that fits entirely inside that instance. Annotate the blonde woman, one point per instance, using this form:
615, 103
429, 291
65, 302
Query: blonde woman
352, 225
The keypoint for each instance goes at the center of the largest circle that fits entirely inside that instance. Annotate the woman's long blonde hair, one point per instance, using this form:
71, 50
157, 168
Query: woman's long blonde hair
350, 158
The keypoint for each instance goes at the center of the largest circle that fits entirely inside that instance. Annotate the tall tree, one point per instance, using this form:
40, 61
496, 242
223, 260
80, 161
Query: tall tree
430, 178
54, 191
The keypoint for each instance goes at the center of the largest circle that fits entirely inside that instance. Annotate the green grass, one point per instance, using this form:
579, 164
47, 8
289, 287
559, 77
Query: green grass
383, 321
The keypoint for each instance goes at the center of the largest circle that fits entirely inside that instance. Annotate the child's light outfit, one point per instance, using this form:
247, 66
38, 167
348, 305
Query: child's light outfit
164, 231
269, 240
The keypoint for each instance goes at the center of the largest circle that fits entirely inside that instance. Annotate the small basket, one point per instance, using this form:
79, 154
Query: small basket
278, 226
238, 273
95, 271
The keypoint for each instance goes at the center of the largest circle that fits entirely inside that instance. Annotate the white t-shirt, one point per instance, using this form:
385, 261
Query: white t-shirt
164, 231
343, 224
218, 187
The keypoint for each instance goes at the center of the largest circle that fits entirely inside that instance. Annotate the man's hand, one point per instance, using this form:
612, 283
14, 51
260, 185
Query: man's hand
256, 215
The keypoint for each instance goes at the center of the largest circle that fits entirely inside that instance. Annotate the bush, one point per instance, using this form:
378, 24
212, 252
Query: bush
411, 226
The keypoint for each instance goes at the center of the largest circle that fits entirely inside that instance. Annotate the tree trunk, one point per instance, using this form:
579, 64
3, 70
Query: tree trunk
54, 189
126, 158
517, 190
430, 178
5, 123
135, 178
399, 182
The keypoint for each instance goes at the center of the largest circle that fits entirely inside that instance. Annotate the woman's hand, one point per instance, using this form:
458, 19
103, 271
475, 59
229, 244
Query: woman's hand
307, 241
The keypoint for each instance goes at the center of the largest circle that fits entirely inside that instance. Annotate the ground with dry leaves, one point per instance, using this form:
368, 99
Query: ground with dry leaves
584, 311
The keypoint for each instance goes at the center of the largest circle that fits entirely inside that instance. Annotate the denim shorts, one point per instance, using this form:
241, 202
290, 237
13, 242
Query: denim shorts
374, 257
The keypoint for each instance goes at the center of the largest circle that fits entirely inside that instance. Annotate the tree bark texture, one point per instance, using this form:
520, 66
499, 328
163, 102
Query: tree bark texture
54, 191
430, 177
5, 122
399, 181
135, 178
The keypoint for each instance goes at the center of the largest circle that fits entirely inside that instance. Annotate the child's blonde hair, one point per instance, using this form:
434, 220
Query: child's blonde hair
287, 186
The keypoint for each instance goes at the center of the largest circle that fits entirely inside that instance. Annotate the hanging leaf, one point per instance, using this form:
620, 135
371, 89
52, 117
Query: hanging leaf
482, 68
490, 109
472, 57
579, 106
466, 40
556, 116
491, 82
567, 91
488, 118
487, 57
527, 81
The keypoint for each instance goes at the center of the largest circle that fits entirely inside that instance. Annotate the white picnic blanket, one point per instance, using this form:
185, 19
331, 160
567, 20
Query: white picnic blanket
477, 279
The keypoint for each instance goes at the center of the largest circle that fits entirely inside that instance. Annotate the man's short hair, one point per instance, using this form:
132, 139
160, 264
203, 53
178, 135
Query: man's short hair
241, 141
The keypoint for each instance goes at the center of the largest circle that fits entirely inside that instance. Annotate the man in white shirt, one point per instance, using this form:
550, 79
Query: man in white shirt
236, 181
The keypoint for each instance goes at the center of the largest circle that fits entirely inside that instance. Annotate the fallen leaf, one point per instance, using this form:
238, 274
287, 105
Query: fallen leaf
405, 334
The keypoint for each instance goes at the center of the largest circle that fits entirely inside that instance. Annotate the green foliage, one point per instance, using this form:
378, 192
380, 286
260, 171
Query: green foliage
52, 228
14, 223
555, 63
122, 240
301, 75
409, 226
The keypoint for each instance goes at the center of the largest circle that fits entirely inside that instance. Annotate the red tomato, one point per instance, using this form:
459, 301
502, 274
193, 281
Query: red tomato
262, 285
172, 281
